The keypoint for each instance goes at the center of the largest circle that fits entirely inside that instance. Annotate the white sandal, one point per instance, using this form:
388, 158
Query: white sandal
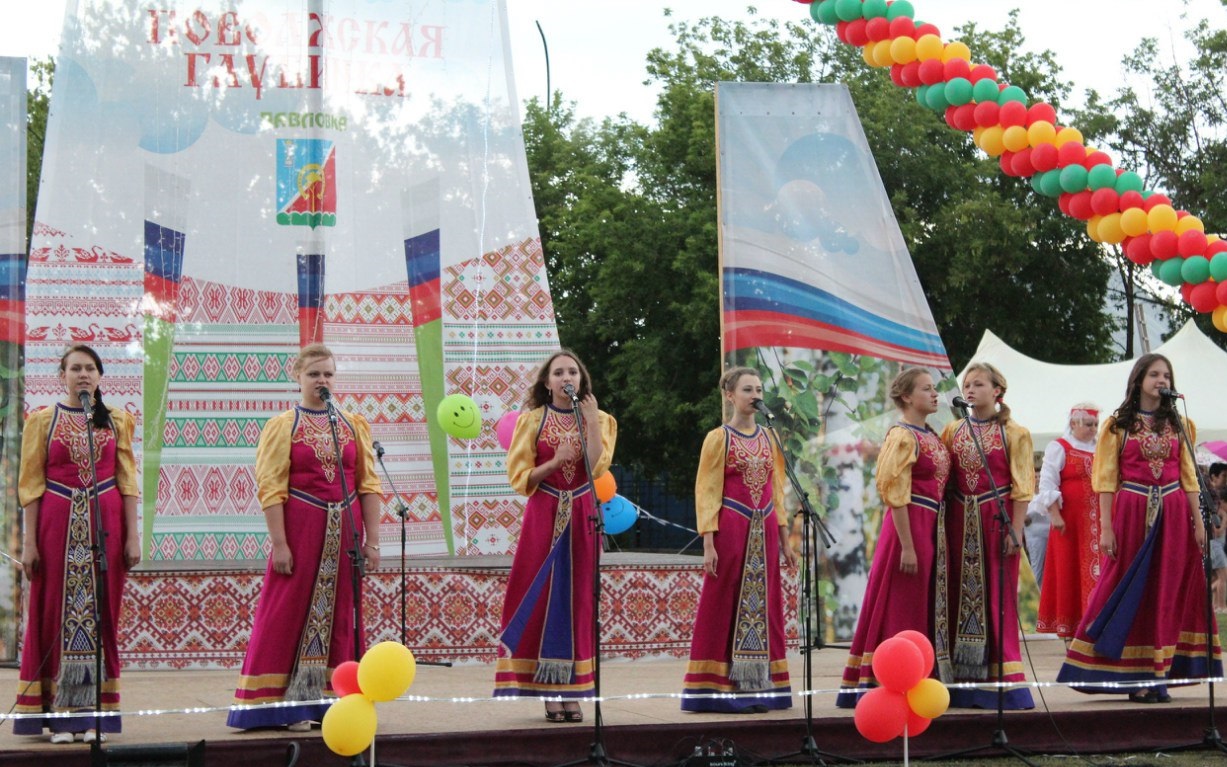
90, 735
304, 726
60, 738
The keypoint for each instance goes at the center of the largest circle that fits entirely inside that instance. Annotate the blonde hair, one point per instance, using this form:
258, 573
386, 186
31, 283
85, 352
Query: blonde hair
309, 354
728, 382
904, 383
998, 381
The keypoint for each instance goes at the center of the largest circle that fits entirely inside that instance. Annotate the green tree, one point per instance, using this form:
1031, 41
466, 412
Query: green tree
38, 103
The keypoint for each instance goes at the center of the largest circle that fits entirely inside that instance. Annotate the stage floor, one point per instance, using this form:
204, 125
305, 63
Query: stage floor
638, 703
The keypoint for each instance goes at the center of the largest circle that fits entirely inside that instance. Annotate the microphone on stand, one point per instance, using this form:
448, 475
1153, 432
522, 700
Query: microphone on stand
1170, 394
86, 404
763, 410
378, 449
960, 404
569, 390
325, 395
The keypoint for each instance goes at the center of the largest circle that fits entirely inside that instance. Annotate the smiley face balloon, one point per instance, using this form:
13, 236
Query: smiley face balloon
459, 417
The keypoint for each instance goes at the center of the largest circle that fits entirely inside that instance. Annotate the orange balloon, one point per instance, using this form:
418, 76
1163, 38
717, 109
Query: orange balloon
606, 487
1220, 319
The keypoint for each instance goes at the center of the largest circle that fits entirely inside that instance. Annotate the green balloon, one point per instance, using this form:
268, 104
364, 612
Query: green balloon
1218, 267
1156, 268
458, 416
1147, 193
848, 10
1171, 271
958, 91
922, 92
1012, 93
935, 99
1073, 178
1101, 176
1035, 182
1128, 182
872, 9
1195, 270
984, 90
1050, 185
900, 8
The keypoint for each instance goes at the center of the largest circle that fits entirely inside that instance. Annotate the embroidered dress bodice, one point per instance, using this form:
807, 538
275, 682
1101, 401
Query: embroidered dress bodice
969, 468
748, 468
932, 468
313, 458
68, 449
1149, 457
559, 427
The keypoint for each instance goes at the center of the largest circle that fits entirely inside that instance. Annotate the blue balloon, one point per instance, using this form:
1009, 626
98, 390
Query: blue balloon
619, 514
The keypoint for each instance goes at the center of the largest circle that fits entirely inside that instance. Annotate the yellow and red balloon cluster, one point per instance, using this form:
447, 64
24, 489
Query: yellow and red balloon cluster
907, 700
1029, 142
385, 672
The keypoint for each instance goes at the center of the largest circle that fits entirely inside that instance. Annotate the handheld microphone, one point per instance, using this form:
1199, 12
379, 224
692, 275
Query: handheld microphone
378, 449
86, 404
762, 409
960, 404
569, 390
1171, 394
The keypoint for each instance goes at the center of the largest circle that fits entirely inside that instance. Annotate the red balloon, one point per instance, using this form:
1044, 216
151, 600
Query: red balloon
1041, 112
345, 679
881, 715
1163, 244
956, 68
1096, 158
841, 31
916, 724
1080, 205
987, 113
931, 71
927, 29
1186, 291
911, 74
1022, 162
1070, 153
1203, 297
856, 33
922, 642
980, 72
896, 75
965, 117
1220, 292
1138, 250
898, 664
1218, 246
877, 28
1181, 214
902, 26
1105, 201
1006, 162
1012, 113
1044, 157
1063, 202
1155, 199
1191, 243
1130, 199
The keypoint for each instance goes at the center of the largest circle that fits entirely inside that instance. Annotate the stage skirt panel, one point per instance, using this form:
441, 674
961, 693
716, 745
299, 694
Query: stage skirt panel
1072, 562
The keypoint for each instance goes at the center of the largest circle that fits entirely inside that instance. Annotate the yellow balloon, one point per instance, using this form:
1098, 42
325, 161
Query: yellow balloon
990, 141
929, 698
1015, 138
976, 133
1042, 132
1188, 224
929, 47
386, 671
903, 50
867, 54
1133, 221
1110, 229
349, 725
1220, 319
1065, 135
881, 53
956, 50
1092, 228
1162, 218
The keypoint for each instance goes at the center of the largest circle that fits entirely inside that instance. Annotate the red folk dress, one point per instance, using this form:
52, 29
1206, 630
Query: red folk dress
57, 657
737, 652
1071, 566
913, 467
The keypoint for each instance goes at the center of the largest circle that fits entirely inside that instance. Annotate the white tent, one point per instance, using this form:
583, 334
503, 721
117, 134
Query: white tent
1041, 393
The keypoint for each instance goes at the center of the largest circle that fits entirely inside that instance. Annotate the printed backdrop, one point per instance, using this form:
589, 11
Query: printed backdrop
224, 182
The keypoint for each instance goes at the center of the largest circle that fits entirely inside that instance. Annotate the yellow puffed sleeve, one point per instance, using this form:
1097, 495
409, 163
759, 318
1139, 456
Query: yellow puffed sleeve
609, 437
365, 476
1188, 470
125, 461
1105, 469
709, 481
1022, 462
894, 479
948, 431
522, 454
273, 460
32, 478
778, 475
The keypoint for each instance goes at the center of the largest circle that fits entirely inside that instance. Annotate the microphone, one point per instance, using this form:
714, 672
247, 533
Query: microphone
378, 449
86, 404
325, 395
761, 407
569, 390
1171, 394
960, 404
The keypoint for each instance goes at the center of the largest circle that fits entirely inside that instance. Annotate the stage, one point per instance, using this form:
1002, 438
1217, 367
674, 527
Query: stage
643, 723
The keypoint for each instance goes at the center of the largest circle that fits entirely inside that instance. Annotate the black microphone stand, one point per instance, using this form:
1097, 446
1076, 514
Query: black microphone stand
101, 605
1211, 739
1007, 535
402, 511
596, 751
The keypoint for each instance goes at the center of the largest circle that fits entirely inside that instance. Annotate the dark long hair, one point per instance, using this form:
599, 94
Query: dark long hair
102, 417
539, 395
1127, 414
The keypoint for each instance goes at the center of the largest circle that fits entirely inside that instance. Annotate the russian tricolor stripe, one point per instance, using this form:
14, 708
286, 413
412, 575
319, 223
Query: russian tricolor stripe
422, 263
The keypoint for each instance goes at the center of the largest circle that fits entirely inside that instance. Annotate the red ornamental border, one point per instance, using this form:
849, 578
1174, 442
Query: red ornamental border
1030, 143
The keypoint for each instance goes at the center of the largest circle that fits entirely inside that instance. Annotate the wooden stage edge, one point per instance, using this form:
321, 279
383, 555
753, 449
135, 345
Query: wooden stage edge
452, 721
